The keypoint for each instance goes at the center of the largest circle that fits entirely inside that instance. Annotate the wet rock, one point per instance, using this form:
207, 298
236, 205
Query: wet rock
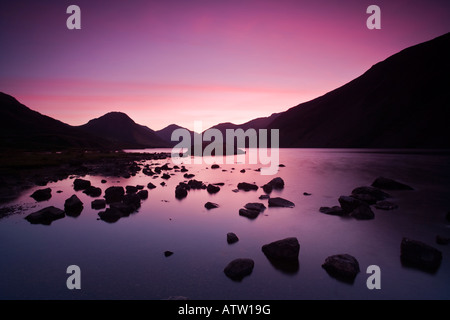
143, 194
285, 249
211, 205
148, 172
42, 194
189, 175
168, 253
114, 194
165, 176
239, 268
420, 255
348, 204
232, 238
195, 184
390, 184
255, 206
183, 169
386, 205
280, 202
133, 201
45, 216
151, 186
73, 206
306, 193
343, 267
247, 186
215, 166
277, 183
103, 181
267, 188
131, 189
163, 184
363, 212
93, 191
264, 197
98, 204
81, 184
242, 171
442, 240
181, 190
249, 213
110, 215
334, 211
212, 188
140, 187
367, 198
373, 192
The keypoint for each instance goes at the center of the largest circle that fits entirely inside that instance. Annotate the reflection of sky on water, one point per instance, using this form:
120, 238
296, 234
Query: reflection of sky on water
125, 260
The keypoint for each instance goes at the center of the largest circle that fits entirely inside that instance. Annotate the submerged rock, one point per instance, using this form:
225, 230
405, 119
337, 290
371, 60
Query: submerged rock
386, 205
420, 255
390, 184
45, 216
42, 194
211, 205
334, 211
232, 238
280, 202
343, 267
247, 186
239, 268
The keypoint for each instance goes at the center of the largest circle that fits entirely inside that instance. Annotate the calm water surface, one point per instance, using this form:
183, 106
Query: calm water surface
125, 260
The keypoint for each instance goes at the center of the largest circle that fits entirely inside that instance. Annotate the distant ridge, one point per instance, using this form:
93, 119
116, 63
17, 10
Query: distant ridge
401, 102
122, 130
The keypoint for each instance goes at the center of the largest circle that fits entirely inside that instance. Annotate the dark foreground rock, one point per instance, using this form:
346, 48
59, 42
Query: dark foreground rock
168, 253
343, 267
356, 208
390, 184
232, 238
249, 213
420, 255
247, 186
211, 205
363, 212
98, 204
280, 202
114, 194
81, 184
42, 194
212, 189
151, 186
45, 216
334, 211
110, 215
386, 205
283, 254
73, 206
143, 194
239, 268
369, 194
181, 190
93, 191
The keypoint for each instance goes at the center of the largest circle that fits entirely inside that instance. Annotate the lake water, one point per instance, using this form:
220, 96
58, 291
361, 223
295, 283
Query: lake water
125, 260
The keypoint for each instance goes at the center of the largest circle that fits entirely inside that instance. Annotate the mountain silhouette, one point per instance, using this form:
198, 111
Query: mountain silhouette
122, 130
401, 102
166, 134
24, 129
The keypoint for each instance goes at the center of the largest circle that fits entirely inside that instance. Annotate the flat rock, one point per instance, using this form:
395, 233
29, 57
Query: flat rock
247, 186
255, 206
385, 205
390, 184
420, 255
232, 238
285, 249
239, 268
251, 214
42, 194
342, 267
45, 216
211, 205
280, 202
81, 184
334, 211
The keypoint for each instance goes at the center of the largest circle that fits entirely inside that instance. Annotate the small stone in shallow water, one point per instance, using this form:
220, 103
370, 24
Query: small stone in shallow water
168, 253
232, 238
342, 267
280, 202
211, 205
239, 268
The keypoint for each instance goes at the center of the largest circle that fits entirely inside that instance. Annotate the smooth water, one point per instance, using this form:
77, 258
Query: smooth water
125, 260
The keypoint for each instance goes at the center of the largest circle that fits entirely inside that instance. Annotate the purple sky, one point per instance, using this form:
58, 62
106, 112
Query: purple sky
164, 62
